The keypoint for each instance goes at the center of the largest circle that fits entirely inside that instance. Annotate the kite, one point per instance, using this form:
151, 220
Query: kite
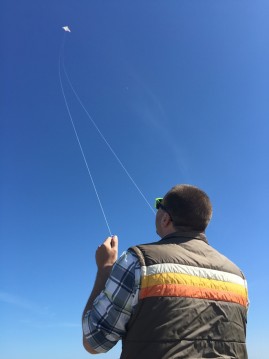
66, 28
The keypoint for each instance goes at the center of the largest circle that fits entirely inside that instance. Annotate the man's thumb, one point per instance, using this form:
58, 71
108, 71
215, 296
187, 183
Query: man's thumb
114, 241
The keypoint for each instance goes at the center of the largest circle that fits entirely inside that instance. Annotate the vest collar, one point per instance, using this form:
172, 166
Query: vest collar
178, 237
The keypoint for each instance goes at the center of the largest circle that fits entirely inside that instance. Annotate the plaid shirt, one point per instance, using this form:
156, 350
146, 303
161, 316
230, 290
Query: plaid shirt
105, 323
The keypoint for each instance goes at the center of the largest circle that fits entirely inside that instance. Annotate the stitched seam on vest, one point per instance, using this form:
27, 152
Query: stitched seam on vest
184, 339
139, 254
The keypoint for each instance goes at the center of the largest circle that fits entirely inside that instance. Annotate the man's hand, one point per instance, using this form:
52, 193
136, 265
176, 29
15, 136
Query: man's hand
107, 253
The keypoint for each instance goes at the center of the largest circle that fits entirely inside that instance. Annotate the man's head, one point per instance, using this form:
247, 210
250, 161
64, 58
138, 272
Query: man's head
184, 207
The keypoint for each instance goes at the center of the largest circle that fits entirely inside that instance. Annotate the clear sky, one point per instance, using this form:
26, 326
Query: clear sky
180, 90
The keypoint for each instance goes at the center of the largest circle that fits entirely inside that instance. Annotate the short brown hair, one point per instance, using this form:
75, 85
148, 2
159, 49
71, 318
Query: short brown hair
189, 207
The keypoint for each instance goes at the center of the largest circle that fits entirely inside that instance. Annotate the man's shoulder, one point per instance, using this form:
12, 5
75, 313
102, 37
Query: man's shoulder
127, 258
141, 245
140, 250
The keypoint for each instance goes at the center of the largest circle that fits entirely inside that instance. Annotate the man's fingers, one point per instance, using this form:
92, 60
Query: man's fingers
107, 241
111, 242
114, 242
107, 253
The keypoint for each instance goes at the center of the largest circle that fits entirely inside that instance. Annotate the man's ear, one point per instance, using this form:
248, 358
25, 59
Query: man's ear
166, 220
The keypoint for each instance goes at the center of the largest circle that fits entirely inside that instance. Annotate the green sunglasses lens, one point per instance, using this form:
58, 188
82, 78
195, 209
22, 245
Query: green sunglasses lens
158, 202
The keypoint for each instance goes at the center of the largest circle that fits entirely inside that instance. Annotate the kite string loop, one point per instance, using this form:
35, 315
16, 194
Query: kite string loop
77, 137
104, 139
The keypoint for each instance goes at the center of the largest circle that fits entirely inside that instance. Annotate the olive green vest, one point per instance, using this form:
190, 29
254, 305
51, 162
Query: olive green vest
192, 302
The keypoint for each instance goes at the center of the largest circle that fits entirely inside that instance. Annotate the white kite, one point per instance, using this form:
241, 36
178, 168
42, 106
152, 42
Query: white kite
66, 28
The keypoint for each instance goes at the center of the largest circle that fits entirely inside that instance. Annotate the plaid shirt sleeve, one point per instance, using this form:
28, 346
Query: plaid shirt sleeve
105, 323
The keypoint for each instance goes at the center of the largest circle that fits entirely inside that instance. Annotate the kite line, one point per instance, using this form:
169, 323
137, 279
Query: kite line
61, 63
76, 134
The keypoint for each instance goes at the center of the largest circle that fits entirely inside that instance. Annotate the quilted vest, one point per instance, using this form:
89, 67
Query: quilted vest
192, 302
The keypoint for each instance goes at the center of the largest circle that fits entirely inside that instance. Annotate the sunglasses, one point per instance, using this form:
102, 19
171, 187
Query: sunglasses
158, 204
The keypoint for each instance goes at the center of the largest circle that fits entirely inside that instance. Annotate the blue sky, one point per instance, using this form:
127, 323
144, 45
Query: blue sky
180, 90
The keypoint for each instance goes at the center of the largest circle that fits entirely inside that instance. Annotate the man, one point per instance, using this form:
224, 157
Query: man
176, 298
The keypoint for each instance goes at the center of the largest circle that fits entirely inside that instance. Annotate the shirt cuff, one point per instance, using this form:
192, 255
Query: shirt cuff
96, 338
